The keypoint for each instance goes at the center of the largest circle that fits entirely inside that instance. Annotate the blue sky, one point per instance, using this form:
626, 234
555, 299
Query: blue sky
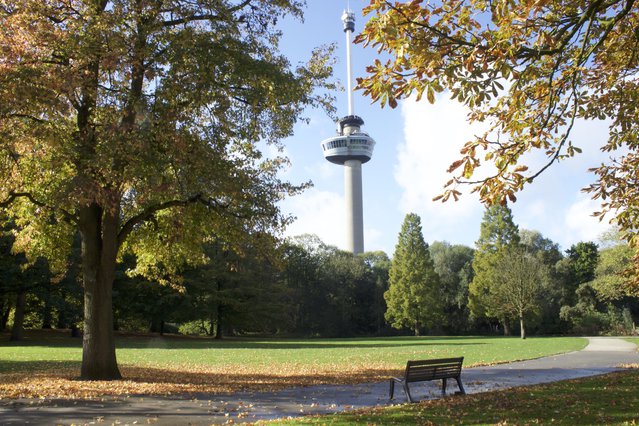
416, 142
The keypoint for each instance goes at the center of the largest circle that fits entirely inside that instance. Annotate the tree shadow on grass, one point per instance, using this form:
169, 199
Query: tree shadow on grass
169, 342
35, 379
37, 366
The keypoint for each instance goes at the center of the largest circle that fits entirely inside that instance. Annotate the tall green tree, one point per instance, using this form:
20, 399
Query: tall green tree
137, 124
379, 266
498, 236
550, 256
609, 281
584, 257
453, 264
528, 70
413, 296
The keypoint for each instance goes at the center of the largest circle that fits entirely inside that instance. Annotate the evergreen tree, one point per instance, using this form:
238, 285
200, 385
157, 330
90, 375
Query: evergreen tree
498, 235
412, 298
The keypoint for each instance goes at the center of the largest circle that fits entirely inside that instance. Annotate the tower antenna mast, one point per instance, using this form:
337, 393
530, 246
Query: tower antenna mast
348, 18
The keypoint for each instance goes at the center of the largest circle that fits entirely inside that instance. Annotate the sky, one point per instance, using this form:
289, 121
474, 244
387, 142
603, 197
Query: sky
416, 142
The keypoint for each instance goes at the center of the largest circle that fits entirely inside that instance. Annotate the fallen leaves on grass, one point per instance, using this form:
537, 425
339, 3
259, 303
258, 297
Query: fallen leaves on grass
607, 399
186, 379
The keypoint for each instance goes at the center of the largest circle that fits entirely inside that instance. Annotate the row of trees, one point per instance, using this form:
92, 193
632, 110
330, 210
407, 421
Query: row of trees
513, 279
304, 288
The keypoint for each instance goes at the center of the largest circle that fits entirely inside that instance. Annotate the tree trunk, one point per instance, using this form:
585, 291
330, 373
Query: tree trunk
99, 251
47, 310
218, 329
17, 332
156, 325
5, 311
521, 324
417, 331
62, 320
506, 328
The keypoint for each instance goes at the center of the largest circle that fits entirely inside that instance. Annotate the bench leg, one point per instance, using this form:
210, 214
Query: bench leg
461, 387
392, 388
444, 386
410, 399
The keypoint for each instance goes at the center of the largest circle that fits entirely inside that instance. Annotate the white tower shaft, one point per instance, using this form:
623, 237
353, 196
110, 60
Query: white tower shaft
349, 71
354, 206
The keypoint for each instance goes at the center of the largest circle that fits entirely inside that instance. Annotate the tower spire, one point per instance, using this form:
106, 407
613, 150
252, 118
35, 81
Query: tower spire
348, 18
351, 148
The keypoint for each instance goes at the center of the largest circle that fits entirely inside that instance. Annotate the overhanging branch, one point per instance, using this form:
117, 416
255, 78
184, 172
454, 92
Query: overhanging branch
15, 195
149, 213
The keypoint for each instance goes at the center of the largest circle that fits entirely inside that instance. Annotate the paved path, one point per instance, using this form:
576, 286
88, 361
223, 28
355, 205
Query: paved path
602, 355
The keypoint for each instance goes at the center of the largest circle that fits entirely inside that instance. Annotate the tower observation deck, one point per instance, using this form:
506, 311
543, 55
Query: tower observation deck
351, 148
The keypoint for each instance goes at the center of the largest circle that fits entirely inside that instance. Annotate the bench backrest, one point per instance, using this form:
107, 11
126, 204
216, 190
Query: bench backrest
433, 369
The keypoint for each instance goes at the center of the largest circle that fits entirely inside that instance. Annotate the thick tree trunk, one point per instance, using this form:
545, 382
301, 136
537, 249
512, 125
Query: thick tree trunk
99, 251
17, 332
521, 324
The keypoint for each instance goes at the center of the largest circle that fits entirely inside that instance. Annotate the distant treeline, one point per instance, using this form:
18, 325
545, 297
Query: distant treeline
308, 288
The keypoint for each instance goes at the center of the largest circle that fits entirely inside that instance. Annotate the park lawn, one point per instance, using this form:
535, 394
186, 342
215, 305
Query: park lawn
612, 399
46, 363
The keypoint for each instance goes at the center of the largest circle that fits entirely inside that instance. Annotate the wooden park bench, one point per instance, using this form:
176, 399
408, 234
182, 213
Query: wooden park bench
430, 369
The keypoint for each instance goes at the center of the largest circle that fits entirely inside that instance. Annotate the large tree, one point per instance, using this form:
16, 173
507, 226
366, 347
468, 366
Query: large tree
413, 295
498, 236
136, 123
529, 69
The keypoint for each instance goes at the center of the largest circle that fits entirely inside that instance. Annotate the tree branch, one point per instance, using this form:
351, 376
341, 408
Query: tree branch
149, 213
15, 195
204, 16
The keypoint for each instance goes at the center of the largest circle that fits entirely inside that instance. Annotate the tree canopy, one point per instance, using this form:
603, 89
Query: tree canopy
498, 236
137, 124
529, 70
413, 296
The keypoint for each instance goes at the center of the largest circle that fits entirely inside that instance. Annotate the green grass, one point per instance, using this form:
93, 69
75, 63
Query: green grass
55, 349
611, 399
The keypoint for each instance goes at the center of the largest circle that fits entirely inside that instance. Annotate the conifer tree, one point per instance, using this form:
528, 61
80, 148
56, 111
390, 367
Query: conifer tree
413, 295
498, 235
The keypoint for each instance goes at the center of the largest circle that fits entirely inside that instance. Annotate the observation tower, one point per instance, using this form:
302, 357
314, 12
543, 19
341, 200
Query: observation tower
351, 148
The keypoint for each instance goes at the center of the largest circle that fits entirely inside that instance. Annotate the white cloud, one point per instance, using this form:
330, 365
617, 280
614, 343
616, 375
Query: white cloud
323, 170
433, 137
318, 212
373, 238
579, 223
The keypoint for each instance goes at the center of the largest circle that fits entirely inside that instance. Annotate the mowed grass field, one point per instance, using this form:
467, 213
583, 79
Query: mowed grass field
46, 364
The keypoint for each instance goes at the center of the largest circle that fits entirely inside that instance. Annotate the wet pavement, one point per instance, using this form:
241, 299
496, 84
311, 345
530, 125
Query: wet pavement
602, 355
